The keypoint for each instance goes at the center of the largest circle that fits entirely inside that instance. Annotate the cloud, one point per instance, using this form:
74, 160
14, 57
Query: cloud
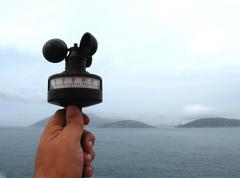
197, 109
21, 96
206, 38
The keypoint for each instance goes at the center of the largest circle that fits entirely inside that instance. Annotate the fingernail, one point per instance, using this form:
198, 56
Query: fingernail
90, 169
71, 111
90, 143
89, 156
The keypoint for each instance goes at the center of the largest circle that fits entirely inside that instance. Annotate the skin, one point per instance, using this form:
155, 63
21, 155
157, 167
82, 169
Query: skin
66, 148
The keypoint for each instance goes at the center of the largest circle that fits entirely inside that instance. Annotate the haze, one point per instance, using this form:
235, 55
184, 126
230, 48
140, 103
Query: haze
162, 62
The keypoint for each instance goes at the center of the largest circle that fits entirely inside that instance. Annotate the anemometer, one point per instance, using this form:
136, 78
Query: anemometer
74, 86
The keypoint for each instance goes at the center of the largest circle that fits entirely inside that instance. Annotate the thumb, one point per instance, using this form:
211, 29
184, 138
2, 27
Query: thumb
74, 122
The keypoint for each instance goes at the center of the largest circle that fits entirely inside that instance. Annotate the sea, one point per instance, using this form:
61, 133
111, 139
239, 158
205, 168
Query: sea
137, 153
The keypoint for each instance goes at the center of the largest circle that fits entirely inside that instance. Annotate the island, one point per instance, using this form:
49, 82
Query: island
126, 124
99, 122
212, 122
95, 121
41, 123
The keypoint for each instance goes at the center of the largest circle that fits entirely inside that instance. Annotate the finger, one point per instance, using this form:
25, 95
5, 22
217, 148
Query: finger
86, 119
87, 159
88, 171
88, 140
56, 122
92, 153
89, 156
74, 123
87, 143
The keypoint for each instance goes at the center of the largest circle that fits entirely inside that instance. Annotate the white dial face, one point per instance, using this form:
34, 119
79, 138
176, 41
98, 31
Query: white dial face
74, 82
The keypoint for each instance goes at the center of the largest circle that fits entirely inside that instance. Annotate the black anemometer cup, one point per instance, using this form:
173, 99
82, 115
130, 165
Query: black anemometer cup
74, 86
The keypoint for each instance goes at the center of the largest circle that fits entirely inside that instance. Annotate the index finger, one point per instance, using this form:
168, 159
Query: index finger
86, 119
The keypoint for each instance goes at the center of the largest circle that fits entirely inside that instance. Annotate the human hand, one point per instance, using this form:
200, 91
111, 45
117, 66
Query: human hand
60, 153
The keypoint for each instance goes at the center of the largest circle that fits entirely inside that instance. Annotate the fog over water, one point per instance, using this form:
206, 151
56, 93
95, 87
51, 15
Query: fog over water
162, 62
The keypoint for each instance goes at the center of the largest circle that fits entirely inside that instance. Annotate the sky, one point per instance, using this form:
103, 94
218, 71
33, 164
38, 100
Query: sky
162, 62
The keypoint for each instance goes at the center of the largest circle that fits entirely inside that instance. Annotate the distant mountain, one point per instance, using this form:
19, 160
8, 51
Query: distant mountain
126, 124
212, 122
95, 121
41, 123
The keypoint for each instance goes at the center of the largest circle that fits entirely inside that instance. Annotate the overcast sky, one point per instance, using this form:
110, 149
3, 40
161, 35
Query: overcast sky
163, 62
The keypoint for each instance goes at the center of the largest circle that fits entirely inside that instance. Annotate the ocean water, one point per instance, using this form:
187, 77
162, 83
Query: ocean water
137, 153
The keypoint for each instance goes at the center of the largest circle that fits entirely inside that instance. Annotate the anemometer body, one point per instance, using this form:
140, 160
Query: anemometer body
74, 86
